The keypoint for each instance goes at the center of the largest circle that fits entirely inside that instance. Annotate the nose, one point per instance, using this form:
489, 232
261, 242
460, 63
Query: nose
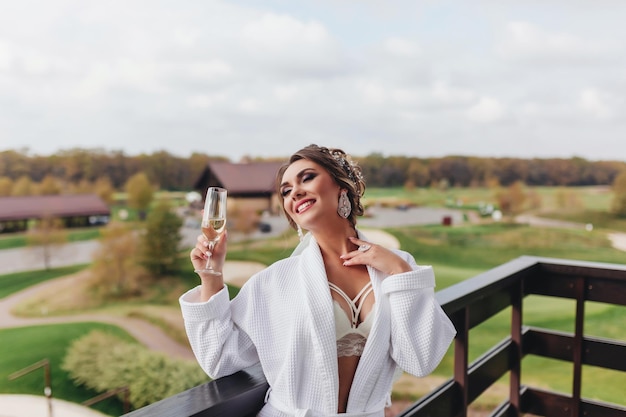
297, 192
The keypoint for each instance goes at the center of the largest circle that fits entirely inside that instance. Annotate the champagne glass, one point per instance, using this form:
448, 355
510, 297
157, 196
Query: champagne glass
213, 222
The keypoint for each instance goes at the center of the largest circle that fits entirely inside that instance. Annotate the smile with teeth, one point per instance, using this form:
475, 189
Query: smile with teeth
304, 206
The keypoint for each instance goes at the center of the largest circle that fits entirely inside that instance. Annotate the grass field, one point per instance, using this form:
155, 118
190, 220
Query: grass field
462, 252
18, 281
29, 345
550, 198
19, 240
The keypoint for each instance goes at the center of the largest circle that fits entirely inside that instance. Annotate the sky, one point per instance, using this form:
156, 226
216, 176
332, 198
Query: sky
491, 78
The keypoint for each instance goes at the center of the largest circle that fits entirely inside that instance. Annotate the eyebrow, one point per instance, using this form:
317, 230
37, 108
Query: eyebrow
299, 175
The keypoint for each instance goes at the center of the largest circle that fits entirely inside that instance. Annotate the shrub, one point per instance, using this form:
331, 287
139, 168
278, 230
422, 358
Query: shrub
103, 362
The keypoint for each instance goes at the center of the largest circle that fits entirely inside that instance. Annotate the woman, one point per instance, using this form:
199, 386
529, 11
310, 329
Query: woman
333, 324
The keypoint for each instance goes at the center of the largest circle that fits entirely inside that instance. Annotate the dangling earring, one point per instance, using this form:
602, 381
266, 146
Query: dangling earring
345, 208
300, 234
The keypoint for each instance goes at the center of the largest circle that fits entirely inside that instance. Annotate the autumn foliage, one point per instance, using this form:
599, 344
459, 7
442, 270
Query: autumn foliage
21, 173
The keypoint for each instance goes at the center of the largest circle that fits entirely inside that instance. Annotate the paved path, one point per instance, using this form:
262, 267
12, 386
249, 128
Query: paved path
379, 217
18, 405
536, 221
31, 258
150, 335
618, 239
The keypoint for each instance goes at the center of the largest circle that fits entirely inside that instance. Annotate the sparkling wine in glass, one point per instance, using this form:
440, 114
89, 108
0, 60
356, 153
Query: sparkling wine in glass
213, 222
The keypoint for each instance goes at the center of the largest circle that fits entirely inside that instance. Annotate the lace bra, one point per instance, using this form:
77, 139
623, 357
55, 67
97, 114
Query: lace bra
351, 337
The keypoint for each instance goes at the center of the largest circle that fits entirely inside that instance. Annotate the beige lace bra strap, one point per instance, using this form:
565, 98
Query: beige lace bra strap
355, 309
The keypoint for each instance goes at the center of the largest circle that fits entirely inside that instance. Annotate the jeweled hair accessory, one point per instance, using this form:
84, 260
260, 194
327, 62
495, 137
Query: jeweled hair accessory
348, 165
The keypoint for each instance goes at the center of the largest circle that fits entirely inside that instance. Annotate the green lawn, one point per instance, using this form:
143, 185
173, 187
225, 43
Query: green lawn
486, 246
462, 252
13, 240
11, 283
29, 345
19, 240
550, 198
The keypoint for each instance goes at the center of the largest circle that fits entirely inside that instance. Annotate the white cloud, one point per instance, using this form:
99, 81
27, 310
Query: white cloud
401, 47
275, 32
371, 91
596, 103
249, 105
200, 101
406, 96
283, 43
530, 42
486, 110
255, 75
286, 93
444, 93
209, 69
6, 56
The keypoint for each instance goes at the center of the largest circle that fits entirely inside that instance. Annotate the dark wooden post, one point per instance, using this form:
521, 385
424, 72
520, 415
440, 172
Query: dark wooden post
517, 295
461, 348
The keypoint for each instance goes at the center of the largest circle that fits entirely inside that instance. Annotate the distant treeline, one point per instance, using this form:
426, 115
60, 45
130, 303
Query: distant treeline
170, 172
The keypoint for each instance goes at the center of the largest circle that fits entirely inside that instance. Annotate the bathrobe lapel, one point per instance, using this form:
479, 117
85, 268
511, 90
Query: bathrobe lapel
375, 354
322, 322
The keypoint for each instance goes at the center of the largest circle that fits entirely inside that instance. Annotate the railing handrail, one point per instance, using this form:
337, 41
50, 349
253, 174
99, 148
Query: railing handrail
469, 303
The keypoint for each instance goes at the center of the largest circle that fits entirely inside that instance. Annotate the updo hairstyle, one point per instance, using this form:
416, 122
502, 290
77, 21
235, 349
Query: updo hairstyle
345, 172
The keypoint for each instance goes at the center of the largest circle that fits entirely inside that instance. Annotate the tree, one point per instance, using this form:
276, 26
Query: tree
618, 205
511, 201
23, 186
47, 234
49, 186
418, 173
455, 169
160, 243
6, 186
510, 170
243, 219
114, 270
140, 193
82, 187
104, 189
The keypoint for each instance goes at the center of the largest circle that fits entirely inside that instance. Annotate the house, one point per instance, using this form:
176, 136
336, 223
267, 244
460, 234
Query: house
75, 210
251, 184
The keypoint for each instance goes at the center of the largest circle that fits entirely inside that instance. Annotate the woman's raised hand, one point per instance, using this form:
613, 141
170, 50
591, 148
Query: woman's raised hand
376, 256
211, 283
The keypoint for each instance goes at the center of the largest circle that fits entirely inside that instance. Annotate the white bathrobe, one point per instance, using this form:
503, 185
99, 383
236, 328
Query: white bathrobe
283, 317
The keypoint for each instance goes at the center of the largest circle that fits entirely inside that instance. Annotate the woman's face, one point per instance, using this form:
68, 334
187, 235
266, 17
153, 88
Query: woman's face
309, 194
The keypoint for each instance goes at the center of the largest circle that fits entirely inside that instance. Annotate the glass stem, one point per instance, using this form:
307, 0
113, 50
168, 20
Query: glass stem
208, 261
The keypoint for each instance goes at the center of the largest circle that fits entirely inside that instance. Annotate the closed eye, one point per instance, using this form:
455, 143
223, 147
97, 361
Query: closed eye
303, 176
308, 176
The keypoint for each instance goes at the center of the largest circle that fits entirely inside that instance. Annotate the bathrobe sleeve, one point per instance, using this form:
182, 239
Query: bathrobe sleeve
421, 332
220, 346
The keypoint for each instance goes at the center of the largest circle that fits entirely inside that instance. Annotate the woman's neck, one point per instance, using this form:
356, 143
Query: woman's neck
334, 242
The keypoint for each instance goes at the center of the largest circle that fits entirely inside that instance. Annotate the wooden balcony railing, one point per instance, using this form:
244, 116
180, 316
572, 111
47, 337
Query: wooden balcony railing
468, 304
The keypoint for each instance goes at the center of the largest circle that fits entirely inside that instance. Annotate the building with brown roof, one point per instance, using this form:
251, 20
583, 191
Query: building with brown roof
75, 210
252, 184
